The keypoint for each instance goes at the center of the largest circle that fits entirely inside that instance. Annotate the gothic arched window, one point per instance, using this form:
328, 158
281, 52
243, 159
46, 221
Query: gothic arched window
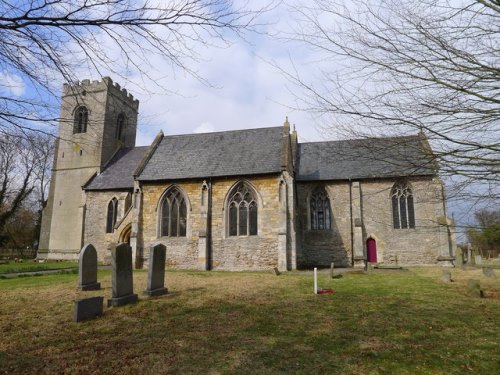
403, 211
320, 210
242, 211
81, 120
173, 214
111, 216
120, 125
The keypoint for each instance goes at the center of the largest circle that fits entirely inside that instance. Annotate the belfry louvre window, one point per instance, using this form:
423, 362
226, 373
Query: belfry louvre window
120, 124
320, 210
242, 207
81, 120
403, 211
111, 216
173, 214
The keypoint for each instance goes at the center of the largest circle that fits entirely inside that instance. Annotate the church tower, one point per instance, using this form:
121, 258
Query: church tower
97, 119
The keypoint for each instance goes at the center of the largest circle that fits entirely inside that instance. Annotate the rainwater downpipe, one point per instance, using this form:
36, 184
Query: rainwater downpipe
352, 229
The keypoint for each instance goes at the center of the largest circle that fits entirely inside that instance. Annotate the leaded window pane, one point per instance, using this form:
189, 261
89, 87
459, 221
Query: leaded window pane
243, 222
411, 212
233, 220
165, 218
320, 210
111, 216
242, 216
403, 210
182, 219
174, 218
253, 219
174, 214
395, 212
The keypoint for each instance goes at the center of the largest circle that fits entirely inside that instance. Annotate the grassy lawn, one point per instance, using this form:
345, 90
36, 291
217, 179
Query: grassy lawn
385, 322
30, 265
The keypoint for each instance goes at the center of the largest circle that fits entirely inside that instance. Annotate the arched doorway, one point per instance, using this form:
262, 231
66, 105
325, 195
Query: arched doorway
125, 235
371, 250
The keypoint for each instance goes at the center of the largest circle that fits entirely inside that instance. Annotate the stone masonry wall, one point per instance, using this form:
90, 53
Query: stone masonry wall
415, 246
421, 245
318, 248
228, 253
95, 221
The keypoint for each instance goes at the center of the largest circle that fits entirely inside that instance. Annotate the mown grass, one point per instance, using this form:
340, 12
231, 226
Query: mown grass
31, 266
384, 322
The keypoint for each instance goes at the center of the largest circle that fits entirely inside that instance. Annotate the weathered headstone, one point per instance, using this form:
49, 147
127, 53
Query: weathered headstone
473, 288
276, 271
122, 279
489, 272
459, 258
477, 259
87, 269
87, 308
332, 267
156, 271
446, 278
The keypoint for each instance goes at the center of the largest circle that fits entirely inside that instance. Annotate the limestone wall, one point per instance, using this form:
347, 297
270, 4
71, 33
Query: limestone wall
421, 245
227, 252
318, 248
95, 221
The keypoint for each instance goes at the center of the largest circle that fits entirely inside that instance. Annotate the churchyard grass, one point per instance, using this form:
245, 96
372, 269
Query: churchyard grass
32, 266
383, 322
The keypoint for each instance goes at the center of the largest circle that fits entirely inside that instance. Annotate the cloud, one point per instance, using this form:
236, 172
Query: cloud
205, 127
12, 84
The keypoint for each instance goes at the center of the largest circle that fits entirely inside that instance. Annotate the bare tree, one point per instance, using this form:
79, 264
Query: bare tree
25, 162
44, 43
392, 67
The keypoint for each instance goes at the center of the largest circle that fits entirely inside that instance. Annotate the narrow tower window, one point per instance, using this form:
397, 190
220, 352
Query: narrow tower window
81, 120
120, 124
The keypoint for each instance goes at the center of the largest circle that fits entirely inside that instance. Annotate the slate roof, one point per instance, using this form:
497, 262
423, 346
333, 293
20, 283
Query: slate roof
118, 173
229, 153
363, 158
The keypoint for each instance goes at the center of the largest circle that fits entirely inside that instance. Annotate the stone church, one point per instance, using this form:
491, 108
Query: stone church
238, 200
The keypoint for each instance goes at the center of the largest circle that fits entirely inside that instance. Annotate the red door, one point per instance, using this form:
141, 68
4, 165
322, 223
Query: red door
371, 250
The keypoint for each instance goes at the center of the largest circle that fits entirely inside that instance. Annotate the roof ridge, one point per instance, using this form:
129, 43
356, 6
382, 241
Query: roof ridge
361, 139
223, 131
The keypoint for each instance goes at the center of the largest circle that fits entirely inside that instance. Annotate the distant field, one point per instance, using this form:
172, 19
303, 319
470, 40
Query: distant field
384, 322
30, 265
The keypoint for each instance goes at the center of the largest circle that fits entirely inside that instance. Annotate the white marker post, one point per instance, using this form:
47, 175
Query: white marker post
315, 280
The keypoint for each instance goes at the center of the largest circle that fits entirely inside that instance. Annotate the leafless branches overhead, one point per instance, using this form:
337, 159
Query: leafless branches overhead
397, 67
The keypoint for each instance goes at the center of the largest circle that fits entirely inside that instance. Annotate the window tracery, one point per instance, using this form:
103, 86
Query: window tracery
242, 211
403, 210
320, 210
173, 215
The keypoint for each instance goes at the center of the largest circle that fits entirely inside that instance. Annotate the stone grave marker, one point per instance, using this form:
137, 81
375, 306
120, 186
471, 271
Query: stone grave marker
156, 271
473, 288
489, 272
87, 269
87, 308
477, 259
122, 279
446, 278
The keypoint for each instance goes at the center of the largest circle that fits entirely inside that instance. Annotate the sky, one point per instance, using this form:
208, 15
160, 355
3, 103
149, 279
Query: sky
244, 87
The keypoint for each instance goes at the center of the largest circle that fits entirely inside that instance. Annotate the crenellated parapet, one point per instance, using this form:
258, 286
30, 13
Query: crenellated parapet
81, 88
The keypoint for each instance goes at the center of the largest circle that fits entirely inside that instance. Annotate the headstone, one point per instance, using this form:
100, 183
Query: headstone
473, 288
459, 258
446, 278
477, 259
87, 308
156, 271
489, 272
332, 266
87, 269
122, 279
276, 271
